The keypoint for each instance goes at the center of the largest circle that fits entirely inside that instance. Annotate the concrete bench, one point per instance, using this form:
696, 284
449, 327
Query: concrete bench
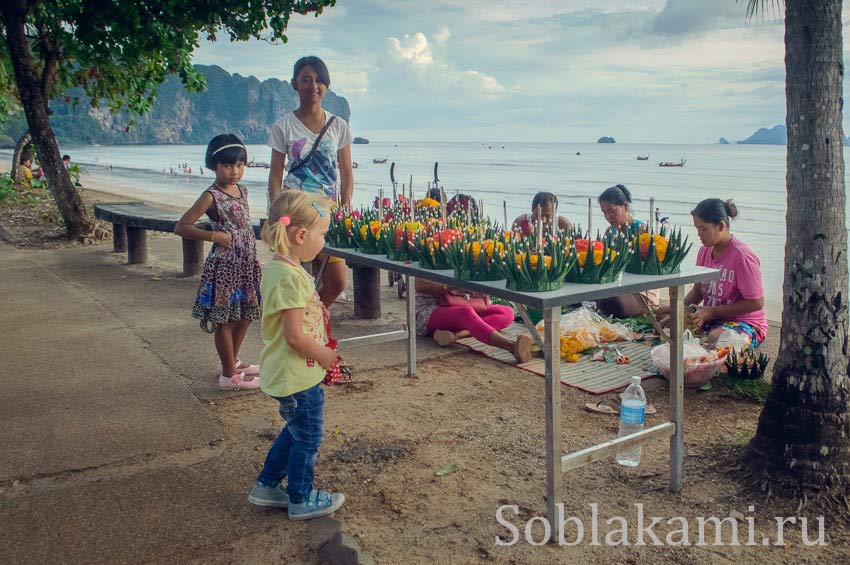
130, 224
131, 221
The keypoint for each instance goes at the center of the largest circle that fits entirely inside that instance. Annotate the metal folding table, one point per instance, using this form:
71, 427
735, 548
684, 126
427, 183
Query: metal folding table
550, 303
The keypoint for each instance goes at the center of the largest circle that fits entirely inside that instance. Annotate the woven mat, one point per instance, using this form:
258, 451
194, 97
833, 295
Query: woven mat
590, 376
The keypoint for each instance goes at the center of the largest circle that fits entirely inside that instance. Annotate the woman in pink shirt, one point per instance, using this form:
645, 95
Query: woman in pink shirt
735, 301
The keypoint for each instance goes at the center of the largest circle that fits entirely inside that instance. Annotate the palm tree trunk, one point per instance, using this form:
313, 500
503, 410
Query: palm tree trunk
802, 445
34, 98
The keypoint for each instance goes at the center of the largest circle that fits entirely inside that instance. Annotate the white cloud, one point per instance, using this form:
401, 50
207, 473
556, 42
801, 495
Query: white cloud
488, 84
654, 70
414, 70
412, 48
443, 34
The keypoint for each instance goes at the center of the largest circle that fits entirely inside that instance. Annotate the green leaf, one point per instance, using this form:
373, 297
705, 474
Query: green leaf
447, 470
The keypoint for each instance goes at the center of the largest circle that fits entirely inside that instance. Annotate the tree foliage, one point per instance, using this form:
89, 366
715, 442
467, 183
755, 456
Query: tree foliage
117, 52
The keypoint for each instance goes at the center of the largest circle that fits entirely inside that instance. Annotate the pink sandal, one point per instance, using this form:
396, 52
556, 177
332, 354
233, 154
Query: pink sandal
238, 382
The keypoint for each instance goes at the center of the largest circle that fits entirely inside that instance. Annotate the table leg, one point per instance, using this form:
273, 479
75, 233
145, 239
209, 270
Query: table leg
677, 387
193, 256
410, 283
137, 246
552, 354
119, 238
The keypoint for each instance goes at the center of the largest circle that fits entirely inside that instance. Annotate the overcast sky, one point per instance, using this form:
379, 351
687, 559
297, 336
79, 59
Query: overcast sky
666, 71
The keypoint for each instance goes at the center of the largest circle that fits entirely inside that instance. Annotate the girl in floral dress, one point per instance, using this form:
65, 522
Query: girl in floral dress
228, 297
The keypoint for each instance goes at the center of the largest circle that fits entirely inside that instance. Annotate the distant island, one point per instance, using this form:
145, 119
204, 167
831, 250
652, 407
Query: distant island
777, 135
724, 141
360, 141
233, 103
605, 139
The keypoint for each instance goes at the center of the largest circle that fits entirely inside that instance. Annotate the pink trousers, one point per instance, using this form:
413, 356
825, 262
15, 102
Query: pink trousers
458, 318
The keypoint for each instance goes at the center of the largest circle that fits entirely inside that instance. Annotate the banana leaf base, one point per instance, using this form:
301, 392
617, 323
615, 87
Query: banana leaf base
543, 286
575, 276
434, 266
397, 255
342, 243
656, 269
465, 275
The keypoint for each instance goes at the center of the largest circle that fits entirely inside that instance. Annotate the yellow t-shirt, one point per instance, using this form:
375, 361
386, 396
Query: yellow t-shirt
282, 370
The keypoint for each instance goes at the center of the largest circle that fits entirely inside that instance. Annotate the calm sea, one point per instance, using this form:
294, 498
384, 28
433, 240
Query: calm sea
754, 175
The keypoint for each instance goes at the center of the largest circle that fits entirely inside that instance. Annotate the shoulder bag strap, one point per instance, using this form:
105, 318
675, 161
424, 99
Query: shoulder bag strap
306, 159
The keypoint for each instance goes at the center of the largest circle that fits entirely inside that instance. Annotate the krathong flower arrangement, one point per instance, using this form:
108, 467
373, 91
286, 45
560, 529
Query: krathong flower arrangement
398, 237
340, 231
599, 261
476, 260
531, 269
658, 254
431, 248
427, 203
367, 236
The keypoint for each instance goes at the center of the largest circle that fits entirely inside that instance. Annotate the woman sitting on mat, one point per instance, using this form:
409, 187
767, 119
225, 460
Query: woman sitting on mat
544, 204
735, 302
480, 319
615, 204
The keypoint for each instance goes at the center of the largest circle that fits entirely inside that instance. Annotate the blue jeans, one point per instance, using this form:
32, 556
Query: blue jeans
294, 452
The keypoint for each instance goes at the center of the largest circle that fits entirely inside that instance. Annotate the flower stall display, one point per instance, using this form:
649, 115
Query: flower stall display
658, 254
367, 236
599, 262
476, 260
536, 270
398, 237
431, 247
340, 230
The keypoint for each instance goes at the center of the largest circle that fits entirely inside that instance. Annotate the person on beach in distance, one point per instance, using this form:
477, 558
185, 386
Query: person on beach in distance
228, 297
546, 205
23, 173
316, 145
66, 162
736, 300
295, 359
615, 204
450, 323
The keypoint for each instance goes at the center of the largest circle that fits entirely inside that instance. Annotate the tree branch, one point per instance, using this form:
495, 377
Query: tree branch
51, 60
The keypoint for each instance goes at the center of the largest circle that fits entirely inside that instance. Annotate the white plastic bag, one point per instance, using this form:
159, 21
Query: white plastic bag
693, 353
591, 328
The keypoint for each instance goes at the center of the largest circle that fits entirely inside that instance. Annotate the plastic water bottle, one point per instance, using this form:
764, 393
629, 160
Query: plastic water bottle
632, 411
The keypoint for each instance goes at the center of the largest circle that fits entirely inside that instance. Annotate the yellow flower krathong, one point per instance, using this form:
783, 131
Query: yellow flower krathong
658, 254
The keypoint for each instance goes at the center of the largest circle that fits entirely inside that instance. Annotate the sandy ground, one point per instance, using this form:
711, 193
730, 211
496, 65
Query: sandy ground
387, 436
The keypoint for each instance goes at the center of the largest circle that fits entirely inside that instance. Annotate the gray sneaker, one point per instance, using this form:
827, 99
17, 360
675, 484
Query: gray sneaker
268, 496
319, 503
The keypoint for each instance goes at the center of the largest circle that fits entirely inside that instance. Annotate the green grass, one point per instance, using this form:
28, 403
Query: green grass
7, 186
750, 390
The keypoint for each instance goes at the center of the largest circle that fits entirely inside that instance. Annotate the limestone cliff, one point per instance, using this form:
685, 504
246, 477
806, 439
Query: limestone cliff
231, 103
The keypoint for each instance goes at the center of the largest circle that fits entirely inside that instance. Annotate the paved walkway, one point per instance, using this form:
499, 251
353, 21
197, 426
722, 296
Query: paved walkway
107, 454
117, 445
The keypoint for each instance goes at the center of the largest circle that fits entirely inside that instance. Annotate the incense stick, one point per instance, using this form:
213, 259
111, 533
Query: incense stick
652, 226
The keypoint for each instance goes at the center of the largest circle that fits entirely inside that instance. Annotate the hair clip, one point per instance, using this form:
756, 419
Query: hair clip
319, 210
285, 220
223, 147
